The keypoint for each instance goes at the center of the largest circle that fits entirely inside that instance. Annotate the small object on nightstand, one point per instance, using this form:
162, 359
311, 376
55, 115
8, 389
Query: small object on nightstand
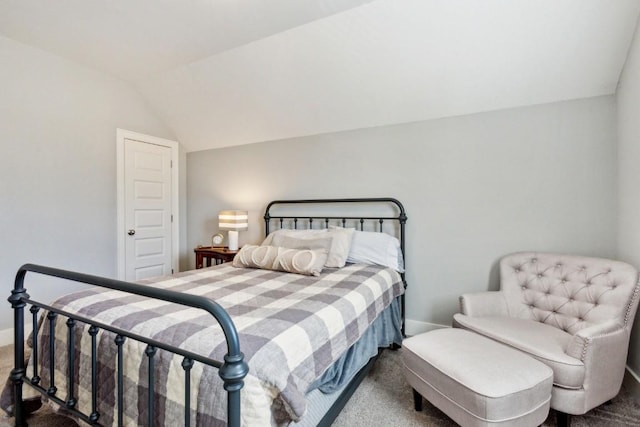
216, 240
219, 254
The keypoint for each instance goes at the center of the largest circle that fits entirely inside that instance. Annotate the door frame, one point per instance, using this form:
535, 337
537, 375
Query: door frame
121, 136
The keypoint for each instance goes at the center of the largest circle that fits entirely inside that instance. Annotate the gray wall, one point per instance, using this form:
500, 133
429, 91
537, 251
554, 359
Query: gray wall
628, 101
58, 177
475, 188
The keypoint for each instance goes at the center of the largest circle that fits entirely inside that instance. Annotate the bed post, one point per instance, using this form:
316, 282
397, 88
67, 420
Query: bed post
402, 218
18, 295
267, 219
234, 369
232, 373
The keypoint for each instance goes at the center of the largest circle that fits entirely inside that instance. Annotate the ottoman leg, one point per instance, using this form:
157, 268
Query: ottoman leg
417, 400
562, 419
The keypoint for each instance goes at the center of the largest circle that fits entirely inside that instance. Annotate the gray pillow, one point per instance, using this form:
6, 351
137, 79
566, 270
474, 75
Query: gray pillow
307, 243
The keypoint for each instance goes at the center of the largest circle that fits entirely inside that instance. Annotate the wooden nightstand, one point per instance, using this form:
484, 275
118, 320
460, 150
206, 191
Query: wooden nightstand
220, 254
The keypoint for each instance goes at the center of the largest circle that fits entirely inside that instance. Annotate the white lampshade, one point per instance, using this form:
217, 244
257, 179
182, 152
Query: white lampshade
233, 220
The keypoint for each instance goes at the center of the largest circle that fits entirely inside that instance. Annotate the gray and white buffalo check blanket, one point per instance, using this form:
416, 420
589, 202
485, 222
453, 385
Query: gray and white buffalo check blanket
291, 328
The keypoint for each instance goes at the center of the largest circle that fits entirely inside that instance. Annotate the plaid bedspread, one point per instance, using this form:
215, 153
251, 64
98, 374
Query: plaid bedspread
291, 329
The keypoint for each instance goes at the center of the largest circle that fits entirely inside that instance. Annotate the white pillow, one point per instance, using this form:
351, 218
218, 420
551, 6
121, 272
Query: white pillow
376, 248
340, 242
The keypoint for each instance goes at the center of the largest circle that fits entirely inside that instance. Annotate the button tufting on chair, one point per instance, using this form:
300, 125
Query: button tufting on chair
571, 321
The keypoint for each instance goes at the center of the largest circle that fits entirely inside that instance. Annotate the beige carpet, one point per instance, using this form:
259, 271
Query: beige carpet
383, 399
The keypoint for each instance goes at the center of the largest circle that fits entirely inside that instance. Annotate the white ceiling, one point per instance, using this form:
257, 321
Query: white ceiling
135, 38
229, 72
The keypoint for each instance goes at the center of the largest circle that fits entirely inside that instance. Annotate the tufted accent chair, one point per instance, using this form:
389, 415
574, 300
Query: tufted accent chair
572, 313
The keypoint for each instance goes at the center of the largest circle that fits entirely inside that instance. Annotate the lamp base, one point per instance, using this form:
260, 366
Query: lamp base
233, 240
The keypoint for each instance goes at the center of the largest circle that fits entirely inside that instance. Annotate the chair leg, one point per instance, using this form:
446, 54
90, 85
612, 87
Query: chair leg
562, 419
417, 400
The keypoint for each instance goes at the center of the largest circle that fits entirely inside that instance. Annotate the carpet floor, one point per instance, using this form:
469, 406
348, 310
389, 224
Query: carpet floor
383, 399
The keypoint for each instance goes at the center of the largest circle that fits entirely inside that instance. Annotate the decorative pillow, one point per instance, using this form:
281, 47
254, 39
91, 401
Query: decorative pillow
308, 243
340, 247
299, 234
370, 247
340, 242
307, 261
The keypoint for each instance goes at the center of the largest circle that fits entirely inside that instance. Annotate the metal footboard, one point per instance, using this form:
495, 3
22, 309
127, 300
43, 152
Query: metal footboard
232, 370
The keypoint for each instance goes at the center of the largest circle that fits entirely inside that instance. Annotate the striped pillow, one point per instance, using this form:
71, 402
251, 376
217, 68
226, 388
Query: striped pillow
300, 261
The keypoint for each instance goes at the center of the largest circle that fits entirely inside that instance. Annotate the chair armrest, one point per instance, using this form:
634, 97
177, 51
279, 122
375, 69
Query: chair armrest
603, 350
584, 340
484, 304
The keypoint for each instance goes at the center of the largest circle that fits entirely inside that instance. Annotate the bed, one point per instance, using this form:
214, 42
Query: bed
226, 345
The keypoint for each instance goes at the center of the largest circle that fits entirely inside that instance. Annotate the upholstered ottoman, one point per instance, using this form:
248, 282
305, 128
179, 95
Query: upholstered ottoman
477, 381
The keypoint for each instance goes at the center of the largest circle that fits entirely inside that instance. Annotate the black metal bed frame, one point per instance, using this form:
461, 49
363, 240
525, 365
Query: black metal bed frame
344, 221
401, 219
232, 370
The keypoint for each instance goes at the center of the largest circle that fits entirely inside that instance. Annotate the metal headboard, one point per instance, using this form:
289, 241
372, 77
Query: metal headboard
344, 220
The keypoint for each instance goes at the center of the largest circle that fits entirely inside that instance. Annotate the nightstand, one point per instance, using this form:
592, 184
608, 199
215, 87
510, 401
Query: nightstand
219, 254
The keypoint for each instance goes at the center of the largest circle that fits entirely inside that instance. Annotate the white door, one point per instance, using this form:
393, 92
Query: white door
147, 211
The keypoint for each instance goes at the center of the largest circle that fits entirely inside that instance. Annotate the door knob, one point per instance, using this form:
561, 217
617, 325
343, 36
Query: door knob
131, 232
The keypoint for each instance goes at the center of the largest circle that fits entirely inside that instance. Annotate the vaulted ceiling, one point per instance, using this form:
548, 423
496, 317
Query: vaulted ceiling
229, 72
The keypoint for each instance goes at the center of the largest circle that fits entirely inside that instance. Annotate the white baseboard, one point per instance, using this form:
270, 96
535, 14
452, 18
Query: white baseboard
415, 327
6, 335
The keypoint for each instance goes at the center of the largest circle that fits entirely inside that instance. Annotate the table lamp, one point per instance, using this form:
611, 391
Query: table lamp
233, 221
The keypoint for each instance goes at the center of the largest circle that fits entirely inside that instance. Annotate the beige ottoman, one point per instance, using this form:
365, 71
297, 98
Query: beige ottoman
477, 381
